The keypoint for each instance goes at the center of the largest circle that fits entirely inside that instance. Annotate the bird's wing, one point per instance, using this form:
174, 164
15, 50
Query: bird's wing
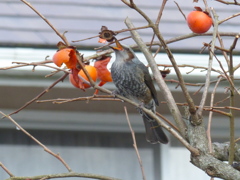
149, 82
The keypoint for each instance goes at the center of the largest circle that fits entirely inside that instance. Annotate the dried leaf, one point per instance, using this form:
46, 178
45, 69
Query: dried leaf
104, 28
61, 45
106, 34
165, 72
198, 8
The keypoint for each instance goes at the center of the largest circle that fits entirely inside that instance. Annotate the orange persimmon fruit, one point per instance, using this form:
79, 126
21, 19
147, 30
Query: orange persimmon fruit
66, 56
73, 81
199, 21
92, 72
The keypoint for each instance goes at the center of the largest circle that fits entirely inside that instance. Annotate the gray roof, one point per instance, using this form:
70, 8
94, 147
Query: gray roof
20, 26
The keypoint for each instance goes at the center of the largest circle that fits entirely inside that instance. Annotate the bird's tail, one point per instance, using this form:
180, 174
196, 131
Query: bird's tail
154, 132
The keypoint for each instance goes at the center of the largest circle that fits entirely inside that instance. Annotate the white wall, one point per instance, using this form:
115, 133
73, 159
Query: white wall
115, 162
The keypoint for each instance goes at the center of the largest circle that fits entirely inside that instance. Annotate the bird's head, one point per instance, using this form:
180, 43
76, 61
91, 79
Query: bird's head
123, 52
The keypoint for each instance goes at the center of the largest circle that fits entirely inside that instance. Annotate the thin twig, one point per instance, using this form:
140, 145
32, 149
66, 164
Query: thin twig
135, 144
158, 19
230, 17
221, 101
40, 95
6, 170
37, 141
208, 76
34, 64
64, 175
62, 36
216, 47
192, 66
228, 3
107, 45
88, 98
222, 46
210, 115
232, 103
226, 75
116, 32
180, 10
167, 121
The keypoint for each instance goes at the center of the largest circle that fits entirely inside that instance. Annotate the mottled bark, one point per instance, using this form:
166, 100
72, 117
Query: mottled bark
212, 164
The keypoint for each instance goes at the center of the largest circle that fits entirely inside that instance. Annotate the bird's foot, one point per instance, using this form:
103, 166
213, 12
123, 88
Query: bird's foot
115, 93
139, 108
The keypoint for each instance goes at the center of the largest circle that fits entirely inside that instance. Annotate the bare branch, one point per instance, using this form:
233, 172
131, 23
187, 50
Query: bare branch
6, 170
40, 95
208, 76
180, 10
34, 64
232, 103
64, 175
228, 3
135, 144
230, 17
87, 99
62, 36
210, 115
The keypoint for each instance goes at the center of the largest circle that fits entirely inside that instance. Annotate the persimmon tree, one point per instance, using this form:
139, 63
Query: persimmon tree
207, 156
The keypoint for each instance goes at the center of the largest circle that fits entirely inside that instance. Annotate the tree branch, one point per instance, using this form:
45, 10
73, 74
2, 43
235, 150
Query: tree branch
208, 76
6, 170
40, 95
62, 36
135, 144
232, 103
64, 175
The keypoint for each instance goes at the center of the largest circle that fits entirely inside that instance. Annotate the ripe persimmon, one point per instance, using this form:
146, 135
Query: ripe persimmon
73, 81
92, 72
199, 21
66, 56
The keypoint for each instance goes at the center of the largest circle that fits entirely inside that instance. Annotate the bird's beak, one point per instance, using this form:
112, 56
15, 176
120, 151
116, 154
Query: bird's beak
118, 46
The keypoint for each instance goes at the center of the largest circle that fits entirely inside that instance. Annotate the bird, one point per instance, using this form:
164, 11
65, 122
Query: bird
133, 81
103, 74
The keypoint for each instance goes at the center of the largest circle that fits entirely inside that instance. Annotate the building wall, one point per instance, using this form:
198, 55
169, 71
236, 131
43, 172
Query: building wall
109, 154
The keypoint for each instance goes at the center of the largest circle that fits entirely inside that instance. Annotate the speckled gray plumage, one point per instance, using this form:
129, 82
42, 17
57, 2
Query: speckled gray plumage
133, 81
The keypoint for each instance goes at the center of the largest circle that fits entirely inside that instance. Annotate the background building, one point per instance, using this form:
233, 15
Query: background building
94, 137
